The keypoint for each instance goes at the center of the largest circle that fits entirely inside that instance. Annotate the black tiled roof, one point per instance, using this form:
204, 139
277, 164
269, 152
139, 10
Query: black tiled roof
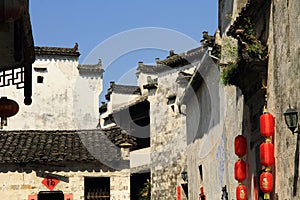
173, 61
136, 101
183, 77
119, 136
152, 69
185, 58
126, 89
122, 89
91, 67
57, 51
59, 146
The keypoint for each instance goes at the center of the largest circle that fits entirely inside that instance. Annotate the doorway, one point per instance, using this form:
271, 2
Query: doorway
51, 195
138, 182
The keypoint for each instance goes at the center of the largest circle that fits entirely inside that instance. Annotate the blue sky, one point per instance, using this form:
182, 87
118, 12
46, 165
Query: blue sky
90, 23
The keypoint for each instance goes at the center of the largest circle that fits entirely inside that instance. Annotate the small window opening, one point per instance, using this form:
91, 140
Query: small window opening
41, 69
40, 79
171, 102
201, 174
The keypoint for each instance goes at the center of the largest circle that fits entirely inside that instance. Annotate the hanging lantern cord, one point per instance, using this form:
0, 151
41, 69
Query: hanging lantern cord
264, 87
265, 109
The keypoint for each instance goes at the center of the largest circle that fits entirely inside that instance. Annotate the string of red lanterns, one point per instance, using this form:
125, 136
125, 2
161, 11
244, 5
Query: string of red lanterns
240, 148
266, 153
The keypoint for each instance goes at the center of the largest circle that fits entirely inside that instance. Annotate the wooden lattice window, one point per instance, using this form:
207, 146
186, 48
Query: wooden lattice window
96, 188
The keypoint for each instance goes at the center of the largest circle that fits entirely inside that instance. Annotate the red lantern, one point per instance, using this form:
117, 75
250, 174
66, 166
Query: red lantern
267, 125
266, 182
8, 108
240, 145
240, 170
241, 192
266, 154
178, 192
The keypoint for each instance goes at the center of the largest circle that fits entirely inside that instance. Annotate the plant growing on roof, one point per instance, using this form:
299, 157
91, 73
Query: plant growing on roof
251, 47
228, 72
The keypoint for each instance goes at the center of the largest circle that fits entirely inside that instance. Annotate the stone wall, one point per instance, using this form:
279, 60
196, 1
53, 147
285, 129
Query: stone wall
168, 139
284, 89
18, 185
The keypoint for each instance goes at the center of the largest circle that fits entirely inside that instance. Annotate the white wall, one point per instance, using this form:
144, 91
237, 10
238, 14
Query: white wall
120, 100
139, 158
86, 101
63, 101
142, 80
214, 149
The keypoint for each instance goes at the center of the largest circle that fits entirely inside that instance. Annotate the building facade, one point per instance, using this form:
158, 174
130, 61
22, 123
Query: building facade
183, 115
256, 69
65, 93
54, 148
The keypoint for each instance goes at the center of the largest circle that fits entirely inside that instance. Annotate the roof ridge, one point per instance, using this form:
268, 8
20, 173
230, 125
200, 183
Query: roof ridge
62, 51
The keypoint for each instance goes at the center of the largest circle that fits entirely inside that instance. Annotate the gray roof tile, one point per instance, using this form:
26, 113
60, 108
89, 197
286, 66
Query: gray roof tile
60, 146
122, 89
173, 61
126, 89
85, 68
152, 69
41, 51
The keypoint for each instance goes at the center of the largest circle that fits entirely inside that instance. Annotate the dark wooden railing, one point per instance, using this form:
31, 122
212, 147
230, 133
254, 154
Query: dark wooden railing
97, 194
